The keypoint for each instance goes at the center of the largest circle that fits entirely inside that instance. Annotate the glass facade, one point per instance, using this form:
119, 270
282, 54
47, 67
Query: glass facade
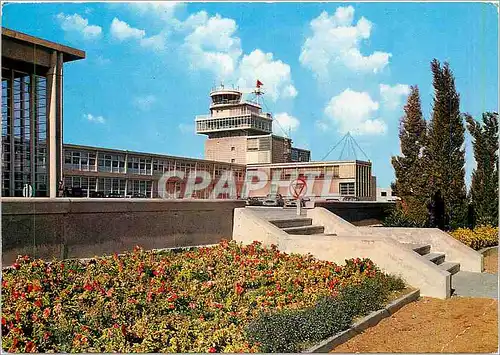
24, 133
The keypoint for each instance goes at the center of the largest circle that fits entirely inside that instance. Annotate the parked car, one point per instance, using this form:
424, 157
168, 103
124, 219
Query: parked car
350, 198
253, 201
96, 194
114, 195
274, 200
138, 195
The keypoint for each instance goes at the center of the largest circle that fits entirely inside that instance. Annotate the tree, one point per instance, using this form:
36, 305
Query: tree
412, 131
445, 154
409, 168
484, 184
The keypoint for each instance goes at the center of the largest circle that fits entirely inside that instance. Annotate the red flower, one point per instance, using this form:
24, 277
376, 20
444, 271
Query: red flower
4, 283
46, 335
172, 298
16, 266
212, 350
124, 329
30, 346
192, 305
38, 303
4, 321
88, 287
18, 317
239, 289
46, 312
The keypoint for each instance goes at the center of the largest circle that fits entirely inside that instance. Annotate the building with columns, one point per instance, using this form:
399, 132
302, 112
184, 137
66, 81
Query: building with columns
240, 140
32, 114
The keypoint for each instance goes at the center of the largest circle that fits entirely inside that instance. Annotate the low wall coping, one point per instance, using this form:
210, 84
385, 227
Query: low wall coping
364, 323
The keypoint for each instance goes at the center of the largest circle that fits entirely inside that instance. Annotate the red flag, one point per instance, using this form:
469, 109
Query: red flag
259, 84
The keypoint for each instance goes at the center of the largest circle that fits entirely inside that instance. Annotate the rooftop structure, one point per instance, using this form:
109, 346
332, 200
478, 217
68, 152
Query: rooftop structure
230, 115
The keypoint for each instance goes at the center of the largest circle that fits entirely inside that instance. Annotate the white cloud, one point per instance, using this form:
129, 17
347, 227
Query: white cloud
212, 44
392, 96
335, 43
76, 23
164, 10
123, 31
353, 111
145, 103
274, 74
186, 128
92, 118
284, 123
156, 42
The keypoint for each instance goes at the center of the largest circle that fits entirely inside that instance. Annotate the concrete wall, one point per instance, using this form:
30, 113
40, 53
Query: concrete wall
358, 211
80, 228
220, 149
385, 252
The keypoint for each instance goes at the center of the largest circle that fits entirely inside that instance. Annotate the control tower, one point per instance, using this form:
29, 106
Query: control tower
231, 116
240, 132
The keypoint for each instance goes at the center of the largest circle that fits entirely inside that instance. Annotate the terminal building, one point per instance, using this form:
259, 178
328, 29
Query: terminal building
35, 162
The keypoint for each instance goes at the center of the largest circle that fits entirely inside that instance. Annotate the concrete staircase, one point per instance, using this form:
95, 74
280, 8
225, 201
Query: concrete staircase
434, 257
416, 254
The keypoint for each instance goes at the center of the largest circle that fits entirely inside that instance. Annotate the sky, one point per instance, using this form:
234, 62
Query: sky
326, 68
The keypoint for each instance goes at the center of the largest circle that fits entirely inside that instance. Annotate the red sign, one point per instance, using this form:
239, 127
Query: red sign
298, 188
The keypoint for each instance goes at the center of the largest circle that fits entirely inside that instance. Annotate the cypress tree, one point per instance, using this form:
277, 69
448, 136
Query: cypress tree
412, 131
484, 184
445, 153
410, 184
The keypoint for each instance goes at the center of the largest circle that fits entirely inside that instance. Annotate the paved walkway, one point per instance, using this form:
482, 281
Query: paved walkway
475, 284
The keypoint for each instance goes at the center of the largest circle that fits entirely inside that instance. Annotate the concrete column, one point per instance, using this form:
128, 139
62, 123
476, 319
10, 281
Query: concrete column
33, 137
59, 120
52, 151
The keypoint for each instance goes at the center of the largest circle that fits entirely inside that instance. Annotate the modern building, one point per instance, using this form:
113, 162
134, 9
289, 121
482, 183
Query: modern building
385, 194
35, 162
119, 173
240, 132
32, 114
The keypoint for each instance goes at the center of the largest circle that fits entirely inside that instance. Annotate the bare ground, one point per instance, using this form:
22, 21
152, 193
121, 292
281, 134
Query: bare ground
455, 325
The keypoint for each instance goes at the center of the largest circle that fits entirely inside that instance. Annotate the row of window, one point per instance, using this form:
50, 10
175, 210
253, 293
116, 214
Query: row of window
108, 186
250, 121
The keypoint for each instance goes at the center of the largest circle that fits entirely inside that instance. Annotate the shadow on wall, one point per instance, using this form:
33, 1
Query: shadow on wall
80, 228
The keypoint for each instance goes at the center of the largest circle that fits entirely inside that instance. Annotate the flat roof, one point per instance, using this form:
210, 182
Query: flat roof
69, 53
152, 155
307, 163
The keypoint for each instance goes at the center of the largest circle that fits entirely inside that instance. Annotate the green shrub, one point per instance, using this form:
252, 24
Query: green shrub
292, 330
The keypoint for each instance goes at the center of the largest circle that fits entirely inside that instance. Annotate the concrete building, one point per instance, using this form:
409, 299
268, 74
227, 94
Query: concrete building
385, 194
32, 114
240, 139
340, 180
119, 173
240, 132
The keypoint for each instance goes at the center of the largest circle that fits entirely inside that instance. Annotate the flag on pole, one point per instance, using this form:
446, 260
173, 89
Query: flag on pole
259, 83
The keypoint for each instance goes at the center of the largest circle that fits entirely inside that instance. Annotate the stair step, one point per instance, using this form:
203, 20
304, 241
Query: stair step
436, 258
313, 229
291, 222
452, 268
421, 249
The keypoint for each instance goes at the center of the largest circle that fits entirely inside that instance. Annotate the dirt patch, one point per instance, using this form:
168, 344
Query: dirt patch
491, 261
455, 325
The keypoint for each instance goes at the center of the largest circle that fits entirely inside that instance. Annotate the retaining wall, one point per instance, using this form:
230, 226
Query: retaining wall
79, 228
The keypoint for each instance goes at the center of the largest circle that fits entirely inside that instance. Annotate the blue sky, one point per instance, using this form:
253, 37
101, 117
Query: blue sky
327, 68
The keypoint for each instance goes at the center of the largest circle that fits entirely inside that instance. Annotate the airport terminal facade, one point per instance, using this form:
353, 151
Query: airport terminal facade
36, 162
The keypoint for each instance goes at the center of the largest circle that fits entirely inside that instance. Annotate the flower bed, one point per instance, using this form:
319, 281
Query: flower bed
480, 237
210, 299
